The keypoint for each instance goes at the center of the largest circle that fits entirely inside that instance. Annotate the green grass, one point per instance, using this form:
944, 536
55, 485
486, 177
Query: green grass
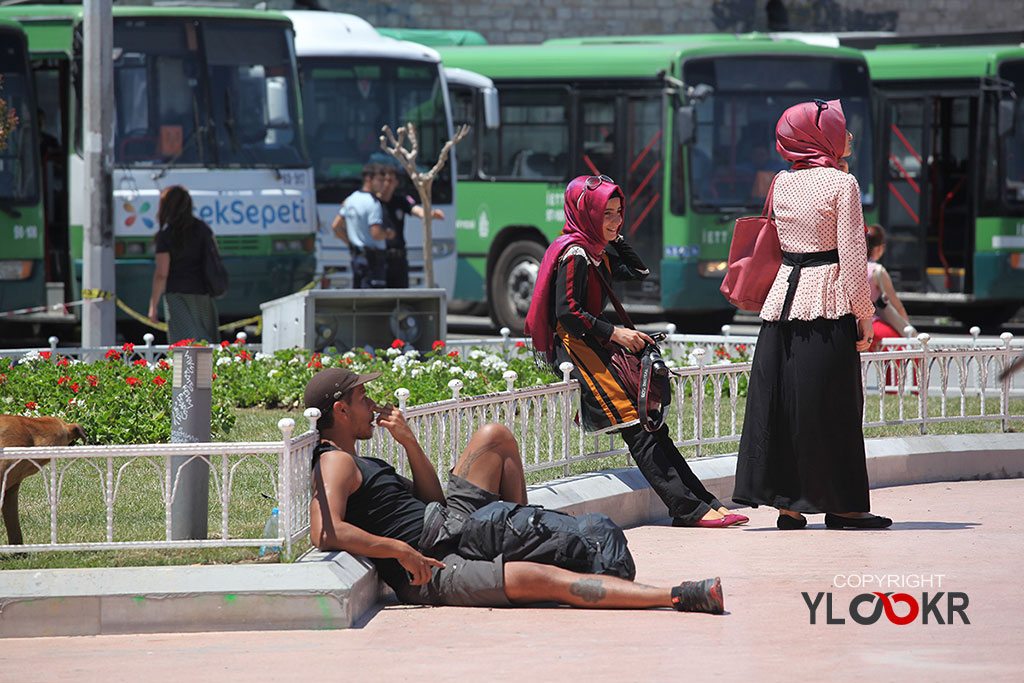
139, 509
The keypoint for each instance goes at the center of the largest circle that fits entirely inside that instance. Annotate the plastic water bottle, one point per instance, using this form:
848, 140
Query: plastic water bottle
270, 531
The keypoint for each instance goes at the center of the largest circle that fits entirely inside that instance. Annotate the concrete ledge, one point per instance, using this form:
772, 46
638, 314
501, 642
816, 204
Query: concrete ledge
330, 593
326, 590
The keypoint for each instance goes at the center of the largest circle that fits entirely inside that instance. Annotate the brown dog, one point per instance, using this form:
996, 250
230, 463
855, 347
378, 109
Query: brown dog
16, 430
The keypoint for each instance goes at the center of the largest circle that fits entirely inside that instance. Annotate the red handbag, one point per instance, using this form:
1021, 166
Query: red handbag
755, 256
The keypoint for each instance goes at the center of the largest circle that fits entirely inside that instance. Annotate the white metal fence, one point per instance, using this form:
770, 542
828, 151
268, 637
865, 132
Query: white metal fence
910, 386
101, 474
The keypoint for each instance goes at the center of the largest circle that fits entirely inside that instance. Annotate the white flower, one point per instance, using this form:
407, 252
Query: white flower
412, 353
471, 374
224, 360
434, 365
262, 356
8, 399
326, 360
31, 356
475, 354
295, 359
273, 372
393, 352
416, 372
349, 354
455, 370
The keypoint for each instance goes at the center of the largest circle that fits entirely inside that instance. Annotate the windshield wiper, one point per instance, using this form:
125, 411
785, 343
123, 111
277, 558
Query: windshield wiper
193, 136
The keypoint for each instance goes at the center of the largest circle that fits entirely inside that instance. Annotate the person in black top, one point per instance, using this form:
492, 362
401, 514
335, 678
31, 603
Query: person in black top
361, 505
398, 205
190, 311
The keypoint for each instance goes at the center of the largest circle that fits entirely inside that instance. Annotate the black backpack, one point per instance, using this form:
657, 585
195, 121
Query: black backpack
591, 543
215, 275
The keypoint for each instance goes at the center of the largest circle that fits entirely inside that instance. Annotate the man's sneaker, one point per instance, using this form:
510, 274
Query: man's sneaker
699, 596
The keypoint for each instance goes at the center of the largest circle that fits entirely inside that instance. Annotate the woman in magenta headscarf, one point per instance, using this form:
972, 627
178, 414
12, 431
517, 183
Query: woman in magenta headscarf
802, 449
567, 323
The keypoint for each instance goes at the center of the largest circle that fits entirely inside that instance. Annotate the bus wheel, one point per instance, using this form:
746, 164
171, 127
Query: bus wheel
512, 283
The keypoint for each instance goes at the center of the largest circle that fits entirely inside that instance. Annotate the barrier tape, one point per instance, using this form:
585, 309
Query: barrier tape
94, 295
53, 307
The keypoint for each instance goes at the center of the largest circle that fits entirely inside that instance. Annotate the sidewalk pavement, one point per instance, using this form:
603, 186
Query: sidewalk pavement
965, 535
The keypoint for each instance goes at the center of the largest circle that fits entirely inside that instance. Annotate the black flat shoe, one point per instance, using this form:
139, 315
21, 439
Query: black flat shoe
872, 522
786, 522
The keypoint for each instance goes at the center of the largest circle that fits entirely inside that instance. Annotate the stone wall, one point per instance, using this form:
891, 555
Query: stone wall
514, 21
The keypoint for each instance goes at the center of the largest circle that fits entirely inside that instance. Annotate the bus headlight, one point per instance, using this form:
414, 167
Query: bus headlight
442, 248
712, 268
297, 244
15, 270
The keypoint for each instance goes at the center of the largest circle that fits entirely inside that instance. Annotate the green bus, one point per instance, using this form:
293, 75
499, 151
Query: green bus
205, 98
685, 127
951, 176
22, 239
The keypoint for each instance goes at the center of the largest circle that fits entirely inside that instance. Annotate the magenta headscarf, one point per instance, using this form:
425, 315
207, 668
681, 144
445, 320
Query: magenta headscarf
804, 143
583, 226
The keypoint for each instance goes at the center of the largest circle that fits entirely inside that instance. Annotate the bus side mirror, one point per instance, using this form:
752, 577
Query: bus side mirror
1007, 117
686, 125
492, 116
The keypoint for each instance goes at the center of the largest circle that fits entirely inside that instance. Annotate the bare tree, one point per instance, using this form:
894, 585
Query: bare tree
423, 181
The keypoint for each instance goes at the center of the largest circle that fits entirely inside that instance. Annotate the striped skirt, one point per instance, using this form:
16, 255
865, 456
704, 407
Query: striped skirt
190, 316
604, 404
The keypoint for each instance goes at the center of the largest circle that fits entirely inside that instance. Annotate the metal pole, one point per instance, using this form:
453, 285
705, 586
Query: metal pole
191, 394
98, 319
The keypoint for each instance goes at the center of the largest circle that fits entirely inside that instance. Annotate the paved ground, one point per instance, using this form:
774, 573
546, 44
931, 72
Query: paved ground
967, 532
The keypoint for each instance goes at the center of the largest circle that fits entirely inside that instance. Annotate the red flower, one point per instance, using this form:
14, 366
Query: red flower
183, 342
140, 362
62, 380
112, 354
244, 355
239, 340
741, 347
75, 387
453, 354
224, 344
215, 375
520, 345
163, 364
159, 381
438, 345
127, 347
63, 361
397, 344
3, 378
93, 380
346, 361
45, 354
132, 381
31, 405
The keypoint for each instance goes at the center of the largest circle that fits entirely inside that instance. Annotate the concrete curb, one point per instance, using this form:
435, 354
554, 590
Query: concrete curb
334, 589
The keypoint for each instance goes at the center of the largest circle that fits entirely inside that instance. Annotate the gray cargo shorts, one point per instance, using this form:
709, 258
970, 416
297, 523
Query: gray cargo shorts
462, 582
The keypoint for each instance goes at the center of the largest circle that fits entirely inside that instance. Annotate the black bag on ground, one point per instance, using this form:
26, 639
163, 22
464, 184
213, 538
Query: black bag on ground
590, 543
215, 275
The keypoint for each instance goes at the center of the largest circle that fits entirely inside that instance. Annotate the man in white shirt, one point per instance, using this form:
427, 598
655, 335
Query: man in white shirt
360, 224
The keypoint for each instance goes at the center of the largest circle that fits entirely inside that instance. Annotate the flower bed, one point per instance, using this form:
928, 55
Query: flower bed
124, 399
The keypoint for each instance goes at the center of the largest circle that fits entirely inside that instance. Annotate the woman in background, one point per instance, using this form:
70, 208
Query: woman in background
180, 243
885, 323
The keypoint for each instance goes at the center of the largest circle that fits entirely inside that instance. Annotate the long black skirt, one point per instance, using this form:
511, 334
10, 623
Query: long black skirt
802, 446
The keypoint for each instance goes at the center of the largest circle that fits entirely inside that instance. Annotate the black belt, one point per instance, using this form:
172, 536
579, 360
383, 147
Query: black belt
799, 261
369, 251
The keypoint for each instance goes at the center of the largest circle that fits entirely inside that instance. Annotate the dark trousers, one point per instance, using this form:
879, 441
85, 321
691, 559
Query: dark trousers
666, 470
397, 268
369, 269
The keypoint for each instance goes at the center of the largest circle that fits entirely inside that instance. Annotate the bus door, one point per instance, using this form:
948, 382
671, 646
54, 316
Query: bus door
926, 209
621, 137
52, 85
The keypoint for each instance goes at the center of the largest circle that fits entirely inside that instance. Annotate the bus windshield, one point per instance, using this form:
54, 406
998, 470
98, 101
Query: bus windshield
734, 159
1014, 144
18, 184
346, 102
207, 93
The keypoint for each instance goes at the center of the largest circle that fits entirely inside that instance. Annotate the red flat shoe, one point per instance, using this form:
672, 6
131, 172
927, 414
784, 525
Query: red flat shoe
727, 520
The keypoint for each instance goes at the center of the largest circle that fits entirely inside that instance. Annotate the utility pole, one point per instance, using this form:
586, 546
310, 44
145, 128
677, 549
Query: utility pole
98, 319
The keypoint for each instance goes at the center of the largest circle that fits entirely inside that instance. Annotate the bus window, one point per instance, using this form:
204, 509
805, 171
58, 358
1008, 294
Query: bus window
533, 140
1013, 145
598, 137
347, 101
249, 69
154, 64
734, 159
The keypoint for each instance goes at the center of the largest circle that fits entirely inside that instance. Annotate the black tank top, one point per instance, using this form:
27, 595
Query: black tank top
382, 506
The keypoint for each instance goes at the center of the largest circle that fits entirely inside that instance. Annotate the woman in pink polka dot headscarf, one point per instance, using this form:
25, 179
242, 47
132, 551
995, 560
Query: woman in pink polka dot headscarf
802, 449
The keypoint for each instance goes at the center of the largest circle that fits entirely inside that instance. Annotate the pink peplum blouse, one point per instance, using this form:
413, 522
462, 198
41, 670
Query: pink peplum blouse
818, 209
